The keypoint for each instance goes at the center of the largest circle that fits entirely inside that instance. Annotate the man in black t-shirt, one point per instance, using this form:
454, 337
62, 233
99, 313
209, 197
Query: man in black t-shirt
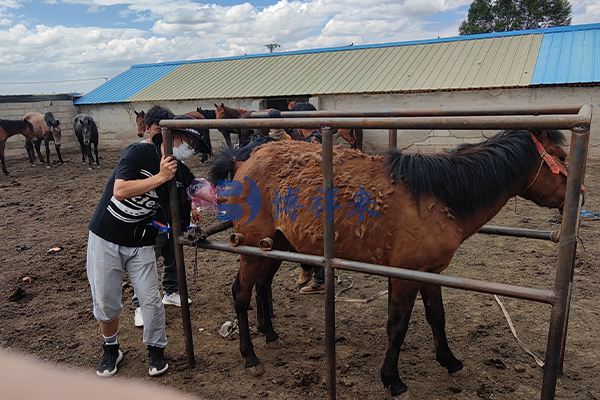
121, 238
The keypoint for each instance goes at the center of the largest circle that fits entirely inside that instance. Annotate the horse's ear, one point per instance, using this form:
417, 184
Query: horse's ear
57, 122
222, 105
136, 113
198, 109
215, 105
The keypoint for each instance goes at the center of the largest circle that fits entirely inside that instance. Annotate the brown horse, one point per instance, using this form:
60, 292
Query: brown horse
46, 128
140, 121
348, 134
406, 210
10, 128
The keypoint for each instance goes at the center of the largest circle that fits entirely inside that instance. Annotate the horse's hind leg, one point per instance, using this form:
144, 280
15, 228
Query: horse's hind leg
30, 152
264, 301
248, 275
434, 310
401, 299
88, 149
2, 161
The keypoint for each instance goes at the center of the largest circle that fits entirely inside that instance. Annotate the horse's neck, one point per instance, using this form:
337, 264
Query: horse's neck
475, 221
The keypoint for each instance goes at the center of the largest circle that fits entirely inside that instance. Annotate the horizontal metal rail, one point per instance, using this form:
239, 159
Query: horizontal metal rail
539, 295
553, 236
412, 112
464, 123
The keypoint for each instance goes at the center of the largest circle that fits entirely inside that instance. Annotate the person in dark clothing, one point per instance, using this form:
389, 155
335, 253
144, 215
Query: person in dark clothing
164, 245
121, 238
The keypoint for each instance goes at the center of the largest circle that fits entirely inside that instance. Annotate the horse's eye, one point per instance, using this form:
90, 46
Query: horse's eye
563, 159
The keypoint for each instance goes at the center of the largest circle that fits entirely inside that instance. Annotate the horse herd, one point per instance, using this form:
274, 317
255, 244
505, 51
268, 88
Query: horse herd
37, 127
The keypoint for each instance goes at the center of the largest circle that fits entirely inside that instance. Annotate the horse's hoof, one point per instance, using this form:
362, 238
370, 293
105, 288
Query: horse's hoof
98, 166
33, 165
459, 373
276, 344
256, 370
403, 396
48, 167
90, 168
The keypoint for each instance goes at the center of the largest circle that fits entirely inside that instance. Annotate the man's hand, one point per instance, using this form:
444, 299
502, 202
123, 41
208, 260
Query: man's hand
196, 216
168, 167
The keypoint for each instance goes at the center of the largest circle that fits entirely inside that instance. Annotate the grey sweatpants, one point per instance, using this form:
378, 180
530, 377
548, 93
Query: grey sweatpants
106, 266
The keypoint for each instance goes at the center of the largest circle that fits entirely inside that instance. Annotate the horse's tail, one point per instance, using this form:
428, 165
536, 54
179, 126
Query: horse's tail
224, 166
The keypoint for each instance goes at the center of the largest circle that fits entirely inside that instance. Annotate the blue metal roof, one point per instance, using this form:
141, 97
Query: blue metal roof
126, 84
569, 56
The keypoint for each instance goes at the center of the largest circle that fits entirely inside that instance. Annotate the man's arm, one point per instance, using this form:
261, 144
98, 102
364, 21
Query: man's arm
127, 189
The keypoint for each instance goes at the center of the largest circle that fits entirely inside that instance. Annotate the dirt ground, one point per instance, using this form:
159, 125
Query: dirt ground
52, 317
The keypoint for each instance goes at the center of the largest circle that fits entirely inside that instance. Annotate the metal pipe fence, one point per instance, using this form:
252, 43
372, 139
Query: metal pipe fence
576, 119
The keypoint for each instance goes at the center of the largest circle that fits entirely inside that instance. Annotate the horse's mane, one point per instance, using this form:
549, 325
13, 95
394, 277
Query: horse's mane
208, 114
10, 125
49, 118
472, 176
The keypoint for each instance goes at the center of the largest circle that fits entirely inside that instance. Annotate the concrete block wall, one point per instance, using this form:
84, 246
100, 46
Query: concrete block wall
62, 110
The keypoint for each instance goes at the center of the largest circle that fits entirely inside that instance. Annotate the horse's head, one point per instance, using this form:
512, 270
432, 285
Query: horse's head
54, 127
220, 111
140, 121
547, 183
86, 131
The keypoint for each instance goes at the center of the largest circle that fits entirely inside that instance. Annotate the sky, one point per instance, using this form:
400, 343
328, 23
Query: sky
74, 46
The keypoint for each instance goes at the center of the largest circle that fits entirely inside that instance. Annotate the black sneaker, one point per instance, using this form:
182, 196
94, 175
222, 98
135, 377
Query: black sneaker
108, 364
158, 361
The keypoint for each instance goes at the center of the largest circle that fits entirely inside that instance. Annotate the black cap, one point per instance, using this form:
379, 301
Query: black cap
203, 147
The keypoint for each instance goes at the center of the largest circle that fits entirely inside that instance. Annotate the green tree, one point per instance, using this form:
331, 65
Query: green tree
514, 15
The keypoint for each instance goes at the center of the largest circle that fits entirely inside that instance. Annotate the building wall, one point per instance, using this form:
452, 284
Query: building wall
117, 127
62, 110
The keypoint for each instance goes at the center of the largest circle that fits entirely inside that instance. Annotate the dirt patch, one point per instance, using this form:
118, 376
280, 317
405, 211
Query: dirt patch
48, 315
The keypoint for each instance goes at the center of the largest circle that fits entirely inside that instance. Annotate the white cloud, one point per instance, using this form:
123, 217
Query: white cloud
184, 30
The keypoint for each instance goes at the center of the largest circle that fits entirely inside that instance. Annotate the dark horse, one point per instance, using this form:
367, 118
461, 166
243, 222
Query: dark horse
87, 134
245, 136
416, 210
10, 128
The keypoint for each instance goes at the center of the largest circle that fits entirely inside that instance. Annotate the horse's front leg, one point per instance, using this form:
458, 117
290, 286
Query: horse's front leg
250, 270
401, 299
88, 149
227, 137
57, 147
47, 144
264, 301
96, 152
2, 161
434, 311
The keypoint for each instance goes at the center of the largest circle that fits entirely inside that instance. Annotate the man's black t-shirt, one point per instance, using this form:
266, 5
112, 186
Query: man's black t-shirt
127, 222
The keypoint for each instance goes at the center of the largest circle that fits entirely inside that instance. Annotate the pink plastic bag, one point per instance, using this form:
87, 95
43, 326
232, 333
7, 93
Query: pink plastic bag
202, 194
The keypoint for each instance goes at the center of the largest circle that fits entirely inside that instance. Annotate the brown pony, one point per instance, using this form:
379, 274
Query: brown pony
46, 128
406, 210
140, 121
10, 128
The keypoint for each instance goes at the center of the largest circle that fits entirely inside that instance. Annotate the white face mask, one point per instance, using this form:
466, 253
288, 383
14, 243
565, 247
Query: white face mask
183, 151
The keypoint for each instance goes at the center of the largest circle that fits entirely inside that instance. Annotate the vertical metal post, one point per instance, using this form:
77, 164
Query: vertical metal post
359, 138
329, 252
393, 139
563, 285
179, 260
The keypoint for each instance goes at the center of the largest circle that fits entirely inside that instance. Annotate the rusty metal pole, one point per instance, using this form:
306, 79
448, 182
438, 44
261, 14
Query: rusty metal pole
179, 260
393, 139
563, 285
328, 240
